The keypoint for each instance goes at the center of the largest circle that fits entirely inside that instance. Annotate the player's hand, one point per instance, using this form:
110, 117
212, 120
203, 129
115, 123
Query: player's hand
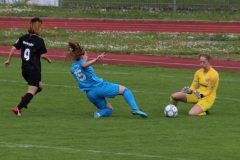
187, 90
49, 60
101, 56
198, 95
7, 63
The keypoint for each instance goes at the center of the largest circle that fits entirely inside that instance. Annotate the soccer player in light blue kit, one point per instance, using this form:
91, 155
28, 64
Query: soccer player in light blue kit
96, 89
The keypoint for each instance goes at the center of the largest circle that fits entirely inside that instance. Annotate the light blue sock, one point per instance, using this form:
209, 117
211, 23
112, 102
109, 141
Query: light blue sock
105, 112
128, 96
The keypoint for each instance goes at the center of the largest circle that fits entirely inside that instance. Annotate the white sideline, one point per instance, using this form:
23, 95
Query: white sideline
15, 145
66, 86
137, 61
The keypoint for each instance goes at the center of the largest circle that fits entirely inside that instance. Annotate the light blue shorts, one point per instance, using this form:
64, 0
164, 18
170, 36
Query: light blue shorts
98, 94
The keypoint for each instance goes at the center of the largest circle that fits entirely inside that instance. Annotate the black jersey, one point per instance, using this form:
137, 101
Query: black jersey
32, 47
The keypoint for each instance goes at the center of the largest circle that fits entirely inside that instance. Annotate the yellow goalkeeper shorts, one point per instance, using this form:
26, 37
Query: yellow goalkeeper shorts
205, 103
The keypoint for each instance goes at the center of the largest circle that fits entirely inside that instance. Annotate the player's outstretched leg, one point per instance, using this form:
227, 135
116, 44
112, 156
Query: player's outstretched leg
140, 113
128, 96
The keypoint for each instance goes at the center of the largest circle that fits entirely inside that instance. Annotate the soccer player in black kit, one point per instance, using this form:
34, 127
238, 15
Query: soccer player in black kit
32, 50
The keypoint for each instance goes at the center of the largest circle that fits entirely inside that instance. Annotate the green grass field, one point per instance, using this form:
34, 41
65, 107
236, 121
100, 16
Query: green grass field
220, 46
59, 123
166, 4
206, 12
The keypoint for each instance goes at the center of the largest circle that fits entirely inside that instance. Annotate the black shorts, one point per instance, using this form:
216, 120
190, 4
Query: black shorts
33, 77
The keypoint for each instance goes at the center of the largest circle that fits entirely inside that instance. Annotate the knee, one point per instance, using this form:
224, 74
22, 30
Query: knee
191, 113
179, 96
109, 106
122, 89
40, 85
174, 96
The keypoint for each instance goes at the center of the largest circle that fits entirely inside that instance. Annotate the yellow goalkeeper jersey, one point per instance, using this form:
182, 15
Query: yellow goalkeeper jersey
208, 82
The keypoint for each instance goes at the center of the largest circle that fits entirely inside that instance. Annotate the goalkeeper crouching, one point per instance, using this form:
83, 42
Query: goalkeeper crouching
203, 97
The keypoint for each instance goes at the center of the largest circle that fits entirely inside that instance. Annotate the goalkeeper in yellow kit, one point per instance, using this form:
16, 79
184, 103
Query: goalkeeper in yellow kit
203, 97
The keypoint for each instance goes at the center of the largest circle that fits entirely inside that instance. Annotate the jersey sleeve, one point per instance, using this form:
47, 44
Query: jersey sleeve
42, 48
195, 82
82, 62
18, 43
212, 83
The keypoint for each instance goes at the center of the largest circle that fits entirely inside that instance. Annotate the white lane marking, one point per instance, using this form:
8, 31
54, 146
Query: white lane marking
15, 145
149, 62
138, 91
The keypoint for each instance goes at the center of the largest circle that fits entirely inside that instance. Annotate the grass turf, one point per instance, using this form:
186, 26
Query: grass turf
59, 123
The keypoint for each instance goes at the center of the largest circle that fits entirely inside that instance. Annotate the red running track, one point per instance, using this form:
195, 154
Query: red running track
141, 60
127, 25
120, 25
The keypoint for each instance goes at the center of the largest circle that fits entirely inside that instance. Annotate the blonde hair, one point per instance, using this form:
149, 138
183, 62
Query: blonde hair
76, 51
206, 55
34, 25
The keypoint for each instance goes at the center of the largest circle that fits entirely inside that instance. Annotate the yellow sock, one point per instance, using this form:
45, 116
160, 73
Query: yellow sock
172, 101
202, 114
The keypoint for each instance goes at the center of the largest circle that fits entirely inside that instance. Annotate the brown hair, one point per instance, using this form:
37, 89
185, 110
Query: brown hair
34, 25
206, 55
76, 51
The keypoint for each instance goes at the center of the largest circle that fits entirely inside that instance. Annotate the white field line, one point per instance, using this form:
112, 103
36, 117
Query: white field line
15, 145
151, 62
51, 85
116, 73
183, 64
138, 91
68, 72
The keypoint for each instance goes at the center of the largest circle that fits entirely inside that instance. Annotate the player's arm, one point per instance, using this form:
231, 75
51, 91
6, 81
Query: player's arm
45, 57
7, 63
195, 85
89, 63
195, 82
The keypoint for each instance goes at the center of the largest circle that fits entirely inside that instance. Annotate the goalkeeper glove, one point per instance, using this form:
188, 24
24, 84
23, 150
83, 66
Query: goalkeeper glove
187, 90
198, 95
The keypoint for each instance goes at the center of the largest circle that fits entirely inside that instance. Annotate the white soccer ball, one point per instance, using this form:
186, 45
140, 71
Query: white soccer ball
170, 110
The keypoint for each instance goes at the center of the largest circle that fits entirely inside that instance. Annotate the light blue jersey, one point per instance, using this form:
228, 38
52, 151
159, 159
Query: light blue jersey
86, 77
97, 90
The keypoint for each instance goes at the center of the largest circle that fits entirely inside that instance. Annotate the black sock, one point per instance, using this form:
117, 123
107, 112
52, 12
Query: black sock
25, 100
39, 90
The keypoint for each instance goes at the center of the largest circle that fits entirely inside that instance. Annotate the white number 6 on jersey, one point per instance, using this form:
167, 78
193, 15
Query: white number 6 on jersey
27, 54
